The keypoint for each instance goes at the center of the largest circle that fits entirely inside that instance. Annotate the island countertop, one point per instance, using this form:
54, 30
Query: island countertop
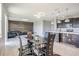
64, 32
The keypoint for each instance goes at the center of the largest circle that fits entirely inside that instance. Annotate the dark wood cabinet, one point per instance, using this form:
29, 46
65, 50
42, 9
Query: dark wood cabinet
74, 23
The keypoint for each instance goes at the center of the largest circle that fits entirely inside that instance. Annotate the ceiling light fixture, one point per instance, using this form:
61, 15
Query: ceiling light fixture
25, 19
59, 21
67, 20
39, 14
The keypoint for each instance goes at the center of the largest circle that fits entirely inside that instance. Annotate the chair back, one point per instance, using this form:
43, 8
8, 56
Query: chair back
21, 47
50, 43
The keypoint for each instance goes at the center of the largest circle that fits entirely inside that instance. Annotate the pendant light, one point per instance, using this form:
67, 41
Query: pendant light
59, 21
67, 20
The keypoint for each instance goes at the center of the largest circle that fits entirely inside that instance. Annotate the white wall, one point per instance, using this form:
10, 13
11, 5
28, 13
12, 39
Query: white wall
4, 22
46, 26
0, 22
38, 28
54, 25
2, 40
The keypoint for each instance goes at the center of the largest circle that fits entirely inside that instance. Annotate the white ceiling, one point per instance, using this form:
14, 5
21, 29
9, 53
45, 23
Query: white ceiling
18, 11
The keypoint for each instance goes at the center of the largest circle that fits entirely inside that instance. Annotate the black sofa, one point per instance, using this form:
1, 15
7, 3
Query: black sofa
12, 34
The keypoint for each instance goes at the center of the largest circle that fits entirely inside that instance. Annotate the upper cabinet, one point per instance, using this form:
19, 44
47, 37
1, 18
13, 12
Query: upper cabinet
76, 23
73, 23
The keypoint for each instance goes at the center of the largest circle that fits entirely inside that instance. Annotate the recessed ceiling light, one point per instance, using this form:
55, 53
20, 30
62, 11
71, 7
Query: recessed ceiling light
37, 16
25, 19
41, 13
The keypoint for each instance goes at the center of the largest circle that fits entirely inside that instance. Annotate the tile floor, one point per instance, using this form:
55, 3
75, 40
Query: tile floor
12, 45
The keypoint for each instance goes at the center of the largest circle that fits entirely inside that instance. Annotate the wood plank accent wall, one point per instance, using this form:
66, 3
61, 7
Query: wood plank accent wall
20, 26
